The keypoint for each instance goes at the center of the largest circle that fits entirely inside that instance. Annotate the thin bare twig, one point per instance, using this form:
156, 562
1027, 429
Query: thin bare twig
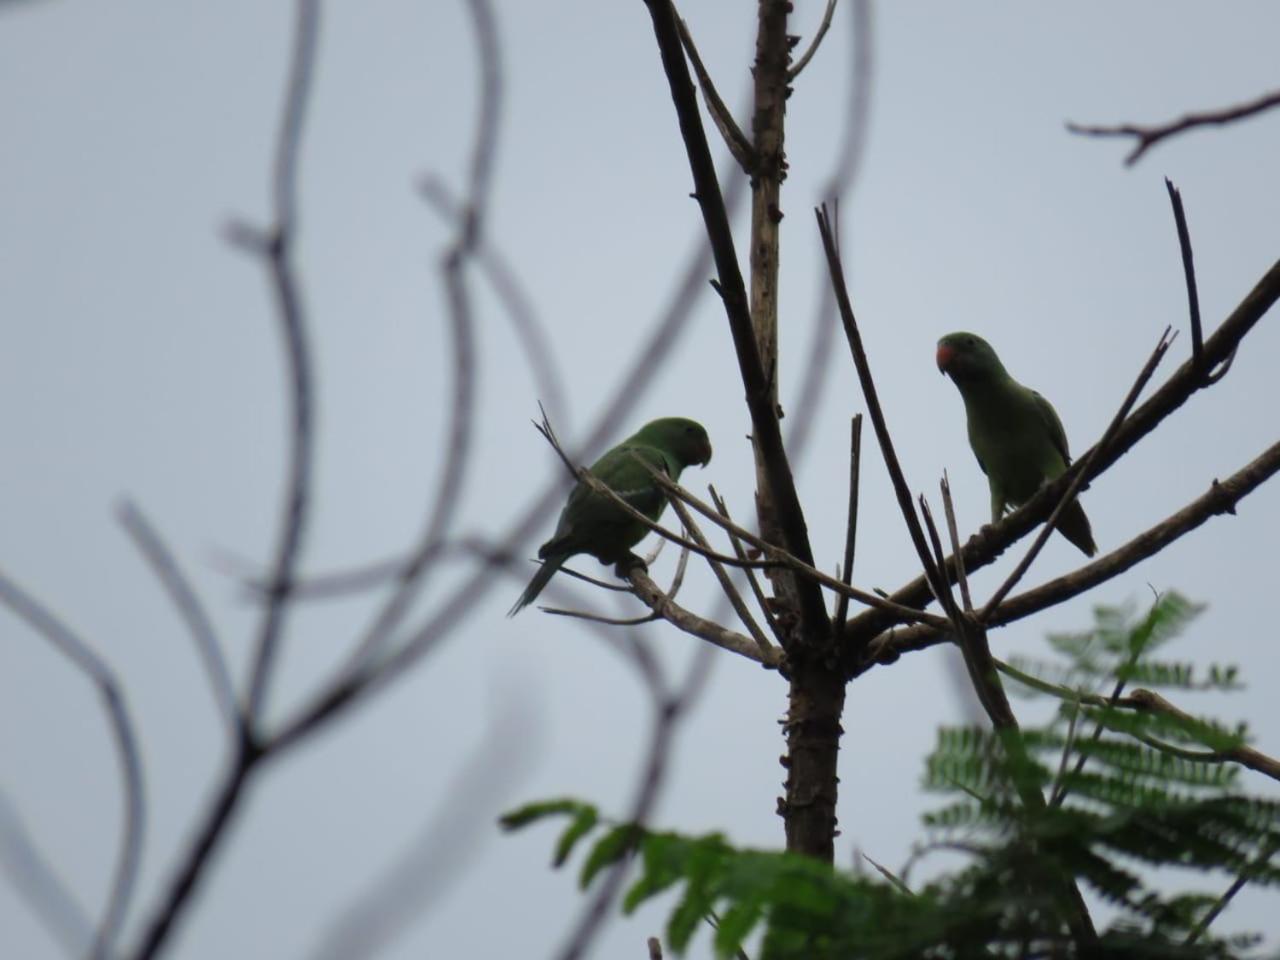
651, 595
984, 547
1148, 136
945, 600
534, 338
1250, 870
669, 710
453, 268
1188, 272
190, 609
676, 582
900, 488
278, 250
756, 381
1146, 701
1144, 375
39, 884
953, 533
851, 520
349, 688
1221, 497
737, 142
816, 42
839, 184
1062, 788
767, 651
740, 552
777, 555
124, 734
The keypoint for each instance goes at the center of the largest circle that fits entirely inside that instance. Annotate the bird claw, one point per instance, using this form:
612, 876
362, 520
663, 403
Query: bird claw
629, 563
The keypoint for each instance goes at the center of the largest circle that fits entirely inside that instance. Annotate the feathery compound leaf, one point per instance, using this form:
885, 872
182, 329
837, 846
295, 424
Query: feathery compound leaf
608, 850
583, 823
1147, 789
531, 812
736, 925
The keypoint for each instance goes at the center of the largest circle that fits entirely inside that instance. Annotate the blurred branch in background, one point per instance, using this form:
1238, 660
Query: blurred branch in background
35, 881
1147, 136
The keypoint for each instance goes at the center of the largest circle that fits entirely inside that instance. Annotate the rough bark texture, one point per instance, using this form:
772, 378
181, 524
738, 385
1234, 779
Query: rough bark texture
767, 123
816, 696
813, 745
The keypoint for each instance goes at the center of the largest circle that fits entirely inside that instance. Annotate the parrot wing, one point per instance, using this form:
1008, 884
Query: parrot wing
1052, 422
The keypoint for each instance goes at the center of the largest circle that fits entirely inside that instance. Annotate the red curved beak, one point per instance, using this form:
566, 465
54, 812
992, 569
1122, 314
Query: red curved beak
945, 354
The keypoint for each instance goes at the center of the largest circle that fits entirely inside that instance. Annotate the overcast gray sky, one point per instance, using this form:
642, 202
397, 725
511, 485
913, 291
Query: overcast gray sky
141, 358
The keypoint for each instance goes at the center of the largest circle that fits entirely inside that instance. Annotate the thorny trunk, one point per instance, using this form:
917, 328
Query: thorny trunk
816, 696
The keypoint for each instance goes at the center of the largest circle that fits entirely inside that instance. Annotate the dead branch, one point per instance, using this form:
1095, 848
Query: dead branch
815, 43
1148, 136
985, 546
652, 597
187, 602
737, 142
1222, 497
278, 252
124, 734
767, 651
755, 380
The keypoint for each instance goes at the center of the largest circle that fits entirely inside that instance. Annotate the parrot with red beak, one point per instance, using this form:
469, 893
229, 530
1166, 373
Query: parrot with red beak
1015, 433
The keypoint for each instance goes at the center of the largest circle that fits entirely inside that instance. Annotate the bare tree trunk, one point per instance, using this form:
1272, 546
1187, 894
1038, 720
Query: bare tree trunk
816, 695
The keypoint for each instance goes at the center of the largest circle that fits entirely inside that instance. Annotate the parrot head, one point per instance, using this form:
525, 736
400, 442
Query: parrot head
686, 440
966, 356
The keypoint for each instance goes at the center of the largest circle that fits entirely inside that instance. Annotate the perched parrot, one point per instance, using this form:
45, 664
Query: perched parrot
591, 523
1015, 433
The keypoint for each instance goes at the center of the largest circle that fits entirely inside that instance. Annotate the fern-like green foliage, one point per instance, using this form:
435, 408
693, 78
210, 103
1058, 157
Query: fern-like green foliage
1130, 794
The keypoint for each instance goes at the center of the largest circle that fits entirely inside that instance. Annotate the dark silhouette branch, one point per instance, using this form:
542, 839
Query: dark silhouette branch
1148, 136
756, 381
985, 546
677, 581
839, 183
740, 552
953, 533
187, 603
651, 596
815, 43
278, 250
900, 488
453, 267
1188, 272
737, 142
529, 328
1249, 871
1222, 497
851, 518
767, 651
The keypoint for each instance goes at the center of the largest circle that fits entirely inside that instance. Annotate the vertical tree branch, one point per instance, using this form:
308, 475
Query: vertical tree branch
851, 520
75, 649
279, 252
756, 377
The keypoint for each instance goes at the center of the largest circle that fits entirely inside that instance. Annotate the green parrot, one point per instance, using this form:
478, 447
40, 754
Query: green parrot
592, 523
1015, 433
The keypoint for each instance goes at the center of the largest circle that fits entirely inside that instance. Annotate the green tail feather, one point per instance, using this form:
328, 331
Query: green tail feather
1074, 525
540, 580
